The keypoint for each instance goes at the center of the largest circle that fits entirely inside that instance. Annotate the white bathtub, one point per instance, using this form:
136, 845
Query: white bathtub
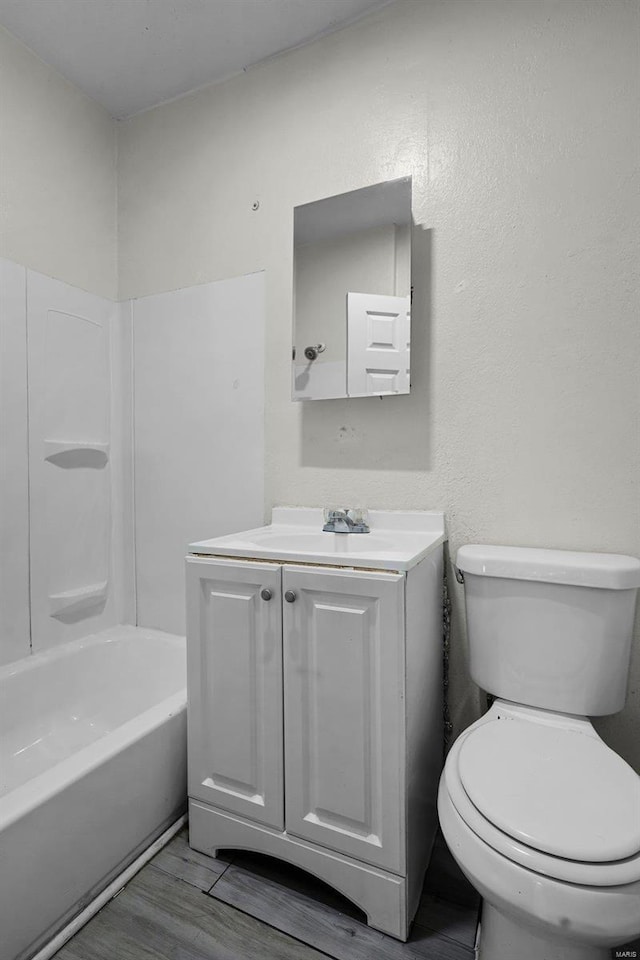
92, 770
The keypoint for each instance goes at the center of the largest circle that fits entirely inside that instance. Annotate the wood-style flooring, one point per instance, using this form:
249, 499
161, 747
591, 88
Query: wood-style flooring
184, 905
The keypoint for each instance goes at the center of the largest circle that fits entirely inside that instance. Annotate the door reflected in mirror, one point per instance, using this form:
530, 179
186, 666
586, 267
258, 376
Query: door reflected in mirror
352, 294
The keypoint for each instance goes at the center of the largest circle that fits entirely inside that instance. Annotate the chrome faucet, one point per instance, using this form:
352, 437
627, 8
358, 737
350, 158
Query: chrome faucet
346, 521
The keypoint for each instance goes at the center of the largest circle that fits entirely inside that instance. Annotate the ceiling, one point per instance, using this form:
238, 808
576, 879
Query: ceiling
130, 55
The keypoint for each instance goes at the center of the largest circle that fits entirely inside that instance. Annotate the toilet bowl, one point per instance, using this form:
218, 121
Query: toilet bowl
541, 815
538, 904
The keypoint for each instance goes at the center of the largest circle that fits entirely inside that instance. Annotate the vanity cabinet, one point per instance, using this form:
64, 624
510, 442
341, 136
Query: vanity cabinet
315, 720
344, 711
235, 688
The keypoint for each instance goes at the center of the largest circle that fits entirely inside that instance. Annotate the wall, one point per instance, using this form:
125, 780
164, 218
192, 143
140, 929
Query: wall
57, 174
518, 124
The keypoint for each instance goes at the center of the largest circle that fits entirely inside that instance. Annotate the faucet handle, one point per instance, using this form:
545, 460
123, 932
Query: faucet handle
355, 520
359, 515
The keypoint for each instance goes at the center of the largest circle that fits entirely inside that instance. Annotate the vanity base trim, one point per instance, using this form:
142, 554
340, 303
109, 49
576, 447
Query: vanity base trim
381, 895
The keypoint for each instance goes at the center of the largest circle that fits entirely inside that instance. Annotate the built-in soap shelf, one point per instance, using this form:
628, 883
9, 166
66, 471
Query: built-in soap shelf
76, 603
76, 453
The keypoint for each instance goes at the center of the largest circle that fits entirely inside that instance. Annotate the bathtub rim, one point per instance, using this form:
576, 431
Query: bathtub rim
24, 799
124, 632
36, 791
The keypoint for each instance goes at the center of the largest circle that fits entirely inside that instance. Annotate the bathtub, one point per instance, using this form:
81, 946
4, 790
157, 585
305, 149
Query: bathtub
92, 770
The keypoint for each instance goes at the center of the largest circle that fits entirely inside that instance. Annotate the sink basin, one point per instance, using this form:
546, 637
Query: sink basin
398, 540
320, 542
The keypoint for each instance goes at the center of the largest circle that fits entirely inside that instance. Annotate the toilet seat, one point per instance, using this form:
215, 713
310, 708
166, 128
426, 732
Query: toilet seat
557, 790
501, 775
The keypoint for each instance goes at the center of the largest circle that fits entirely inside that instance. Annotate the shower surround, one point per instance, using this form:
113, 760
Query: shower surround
92, 690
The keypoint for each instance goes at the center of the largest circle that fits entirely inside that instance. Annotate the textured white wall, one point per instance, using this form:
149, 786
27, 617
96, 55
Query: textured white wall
518, 123
57, 174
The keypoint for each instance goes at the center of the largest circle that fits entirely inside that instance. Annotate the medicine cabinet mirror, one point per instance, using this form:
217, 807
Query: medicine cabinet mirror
352, 294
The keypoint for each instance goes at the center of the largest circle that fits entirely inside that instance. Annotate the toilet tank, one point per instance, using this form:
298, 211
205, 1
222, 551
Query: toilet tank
550, 628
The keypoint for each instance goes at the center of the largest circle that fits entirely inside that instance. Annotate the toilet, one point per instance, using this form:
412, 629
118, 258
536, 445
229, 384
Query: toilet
541, 815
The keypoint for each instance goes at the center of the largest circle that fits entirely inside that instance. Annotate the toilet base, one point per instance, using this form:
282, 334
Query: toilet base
503, 939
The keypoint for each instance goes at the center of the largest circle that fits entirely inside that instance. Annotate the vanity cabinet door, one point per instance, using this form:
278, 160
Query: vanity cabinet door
234, 668
344, 711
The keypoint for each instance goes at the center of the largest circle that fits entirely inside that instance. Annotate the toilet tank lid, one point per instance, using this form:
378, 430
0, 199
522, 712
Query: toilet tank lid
606, 570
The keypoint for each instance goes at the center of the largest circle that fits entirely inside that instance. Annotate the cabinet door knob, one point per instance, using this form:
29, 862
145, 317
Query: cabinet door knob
266, 594
290, 596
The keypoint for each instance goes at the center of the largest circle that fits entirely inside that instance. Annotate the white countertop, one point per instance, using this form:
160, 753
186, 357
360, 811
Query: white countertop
398, 540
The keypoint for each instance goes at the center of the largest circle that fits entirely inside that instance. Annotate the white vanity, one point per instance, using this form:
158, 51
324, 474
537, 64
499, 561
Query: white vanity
315, 700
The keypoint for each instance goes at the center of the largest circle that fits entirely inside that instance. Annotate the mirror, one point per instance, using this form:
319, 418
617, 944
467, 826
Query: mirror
352, 294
